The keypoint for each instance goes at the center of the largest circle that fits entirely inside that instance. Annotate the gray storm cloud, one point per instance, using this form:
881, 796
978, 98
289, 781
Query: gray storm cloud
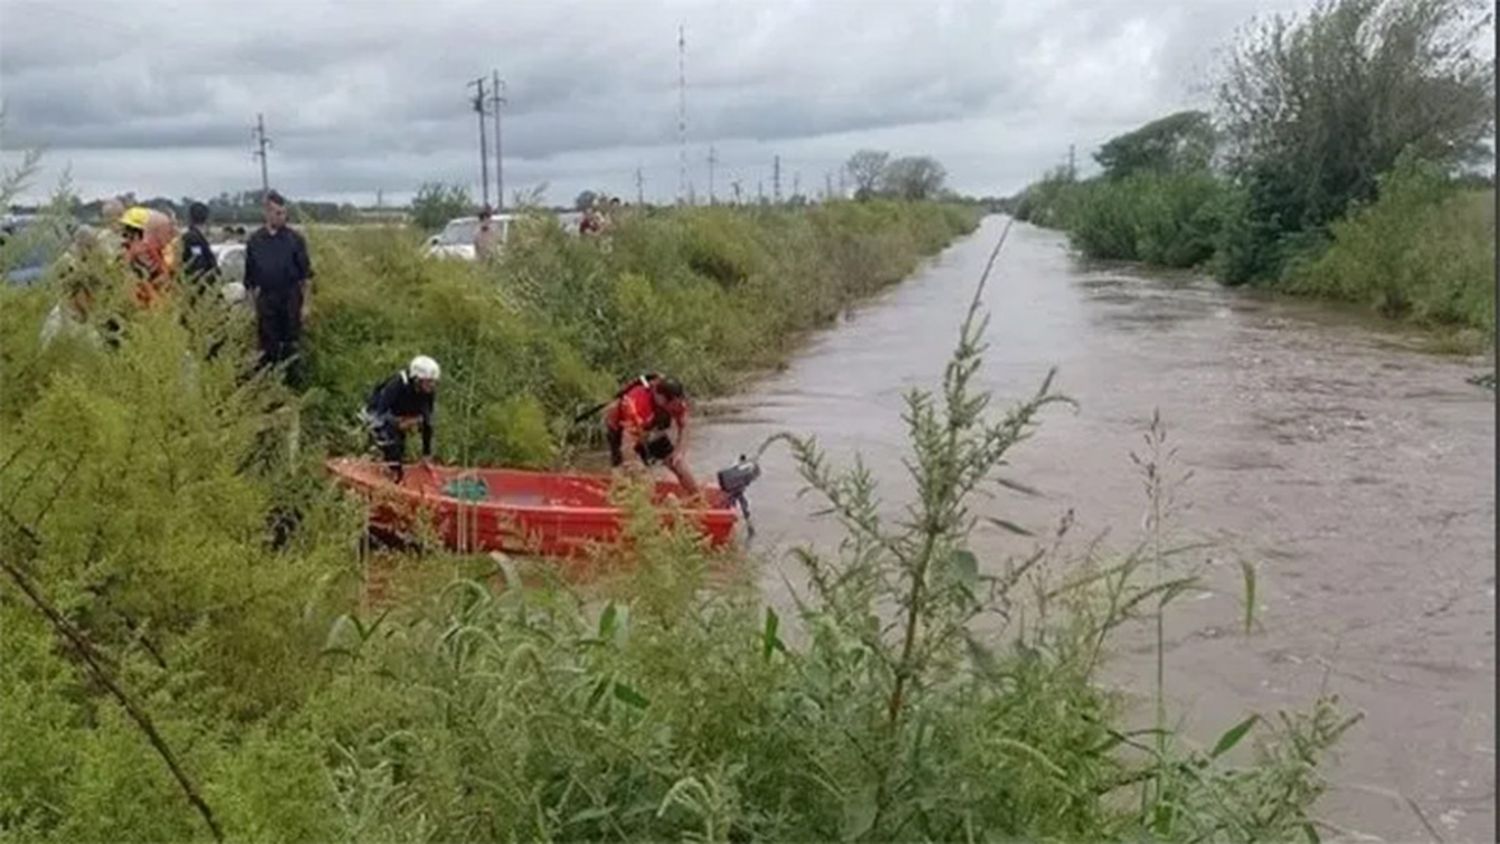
369, 96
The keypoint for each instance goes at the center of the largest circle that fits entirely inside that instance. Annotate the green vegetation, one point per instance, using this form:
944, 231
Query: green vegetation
436, 203
559, 321
1314, 117
1160, 218
1424, 251
187, 656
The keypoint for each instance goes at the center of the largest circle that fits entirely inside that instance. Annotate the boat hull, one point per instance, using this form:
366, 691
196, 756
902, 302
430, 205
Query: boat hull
515, 511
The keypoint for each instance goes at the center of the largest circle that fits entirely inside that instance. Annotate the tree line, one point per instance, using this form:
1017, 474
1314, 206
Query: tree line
1317, 119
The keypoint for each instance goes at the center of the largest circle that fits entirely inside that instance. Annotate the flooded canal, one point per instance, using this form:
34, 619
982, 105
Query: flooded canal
1355, 472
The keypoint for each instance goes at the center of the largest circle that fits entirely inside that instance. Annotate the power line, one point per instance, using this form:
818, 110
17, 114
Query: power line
712, 160
484, 154
261, 142
496, 100
682, 167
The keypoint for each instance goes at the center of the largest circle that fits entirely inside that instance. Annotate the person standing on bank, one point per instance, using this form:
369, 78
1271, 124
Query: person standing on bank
486, 238
198, 262
277, 273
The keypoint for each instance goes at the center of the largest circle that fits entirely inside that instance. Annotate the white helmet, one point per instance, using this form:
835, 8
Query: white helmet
424, 368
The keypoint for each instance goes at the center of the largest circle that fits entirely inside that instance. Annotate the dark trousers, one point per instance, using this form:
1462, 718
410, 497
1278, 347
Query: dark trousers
386, 434
278, 321
653, 450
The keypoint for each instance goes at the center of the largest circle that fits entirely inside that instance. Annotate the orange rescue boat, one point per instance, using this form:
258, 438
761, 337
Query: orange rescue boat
517, 511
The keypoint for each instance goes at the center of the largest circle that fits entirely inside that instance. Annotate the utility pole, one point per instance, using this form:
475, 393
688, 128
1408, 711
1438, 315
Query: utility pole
682, 178
796, 184
776, 180
496, 100
640, 188
712, 160
484, 153
261, 142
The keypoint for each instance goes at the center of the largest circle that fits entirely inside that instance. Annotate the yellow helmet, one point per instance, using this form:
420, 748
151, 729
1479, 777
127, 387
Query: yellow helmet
136, 218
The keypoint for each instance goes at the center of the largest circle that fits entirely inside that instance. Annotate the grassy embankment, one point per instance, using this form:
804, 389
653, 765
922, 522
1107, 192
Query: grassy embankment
1422, 252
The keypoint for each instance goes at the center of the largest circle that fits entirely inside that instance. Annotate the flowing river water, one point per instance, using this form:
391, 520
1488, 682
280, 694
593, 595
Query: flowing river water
1353, 470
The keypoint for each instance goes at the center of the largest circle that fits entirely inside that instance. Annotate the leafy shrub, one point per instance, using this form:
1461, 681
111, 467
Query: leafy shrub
1424, 250
702, 293
1169, 219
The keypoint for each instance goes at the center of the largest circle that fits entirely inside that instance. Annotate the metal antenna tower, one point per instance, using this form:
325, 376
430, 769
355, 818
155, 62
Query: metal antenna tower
484, 153
497, 100
712, 160
261, 142
682, 166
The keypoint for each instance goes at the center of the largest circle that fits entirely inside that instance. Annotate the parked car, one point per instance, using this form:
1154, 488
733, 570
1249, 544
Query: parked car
456, 240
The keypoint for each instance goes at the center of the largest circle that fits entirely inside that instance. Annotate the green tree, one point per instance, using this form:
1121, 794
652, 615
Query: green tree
1179, 142
437, 203
913, 177
1314, 109
866, 167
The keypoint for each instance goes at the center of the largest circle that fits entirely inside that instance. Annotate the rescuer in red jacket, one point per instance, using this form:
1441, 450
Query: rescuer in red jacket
640, 422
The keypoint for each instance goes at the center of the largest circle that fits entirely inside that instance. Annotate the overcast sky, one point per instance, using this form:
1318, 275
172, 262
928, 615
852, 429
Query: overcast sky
159, 97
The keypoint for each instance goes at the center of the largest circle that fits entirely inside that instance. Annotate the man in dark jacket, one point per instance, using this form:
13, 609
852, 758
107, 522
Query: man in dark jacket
400, 403
199, 266
277, 272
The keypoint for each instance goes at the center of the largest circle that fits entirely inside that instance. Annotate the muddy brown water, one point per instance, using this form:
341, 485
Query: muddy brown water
1353, 470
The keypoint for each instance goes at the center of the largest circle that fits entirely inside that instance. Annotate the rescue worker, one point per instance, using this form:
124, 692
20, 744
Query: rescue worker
640, 420
277, 274
144, 234
398, 404
199, 265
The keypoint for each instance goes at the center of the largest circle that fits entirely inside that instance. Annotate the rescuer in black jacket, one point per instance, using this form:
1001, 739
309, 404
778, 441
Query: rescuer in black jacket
199, 266
400, 403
